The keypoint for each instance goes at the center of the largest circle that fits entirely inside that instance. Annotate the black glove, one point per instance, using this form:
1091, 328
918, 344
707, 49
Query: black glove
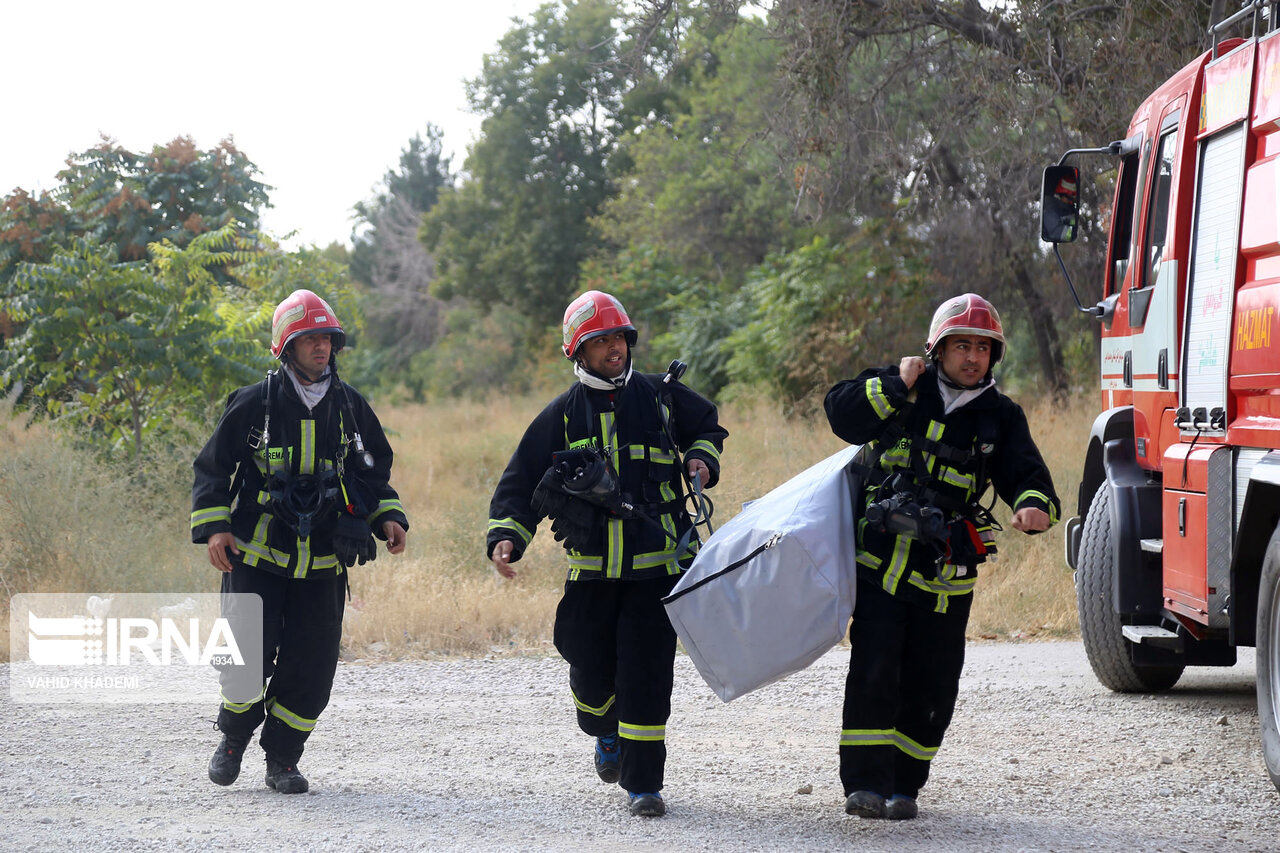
353, 541
575, 537
548, 498
574, 522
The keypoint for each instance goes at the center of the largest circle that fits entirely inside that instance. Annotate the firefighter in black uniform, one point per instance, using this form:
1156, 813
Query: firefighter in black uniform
603, 461
289, 492
936, 434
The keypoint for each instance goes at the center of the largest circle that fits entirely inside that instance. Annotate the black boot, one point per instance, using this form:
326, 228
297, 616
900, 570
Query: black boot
224, 767
285, 778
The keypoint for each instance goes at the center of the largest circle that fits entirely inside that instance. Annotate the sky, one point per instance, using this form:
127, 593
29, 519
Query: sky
321, 96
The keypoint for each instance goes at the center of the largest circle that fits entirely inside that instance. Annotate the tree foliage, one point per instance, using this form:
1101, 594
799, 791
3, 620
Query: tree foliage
118, 347
815, 315
389, 259
136, 351
778, 200
516, 231
706, 183
129, 200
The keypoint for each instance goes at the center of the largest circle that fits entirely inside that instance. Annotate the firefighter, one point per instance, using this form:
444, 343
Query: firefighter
936, 433
603, 461
1061, 212
289, 492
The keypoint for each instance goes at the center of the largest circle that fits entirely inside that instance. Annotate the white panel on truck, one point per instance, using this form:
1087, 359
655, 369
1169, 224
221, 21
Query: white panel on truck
1211, 284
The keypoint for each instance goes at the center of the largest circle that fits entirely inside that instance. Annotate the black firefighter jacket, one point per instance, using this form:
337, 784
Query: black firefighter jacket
629, 425
860, 411
231, 487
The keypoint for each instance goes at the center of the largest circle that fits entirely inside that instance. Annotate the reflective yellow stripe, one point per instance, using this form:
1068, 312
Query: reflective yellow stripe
705, 447
213, 513
588, 709
631, 731
897, 564
913, 748
304, 558
511, 524
944, 589
613, 548
934, 431
878, 399
1033, 494
256, 550
586, 562
897, 456
887, 737
308, 443
960, 480
385, 507
866, 737
291, 719
613, 528
241, 707
660, 456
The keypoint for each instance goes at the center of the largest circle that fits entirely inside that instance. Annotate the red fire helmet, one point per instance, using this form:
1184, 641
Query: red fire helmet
591, 315
967, 314
304, 313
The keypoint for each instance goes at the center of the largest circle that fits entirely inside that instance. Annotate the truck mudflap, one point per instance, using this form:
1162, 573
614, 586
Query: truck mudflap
1135, 515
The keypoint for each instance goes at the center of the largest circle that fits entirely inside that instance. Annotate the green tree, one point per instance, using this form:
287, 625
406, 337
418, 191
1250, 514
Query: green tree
113, 346
139, 351
129, 200
704, 187
815, 315
516, 231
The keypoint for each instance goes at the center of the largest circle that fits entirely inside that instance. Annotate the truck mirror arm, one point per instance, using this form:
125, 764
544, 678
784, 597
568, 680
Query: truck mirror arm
1097, 311
1117, 148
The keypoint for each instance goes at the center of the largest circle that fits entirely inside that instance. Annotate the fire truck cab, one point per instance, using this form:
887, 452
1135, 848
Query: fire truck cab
1175, 546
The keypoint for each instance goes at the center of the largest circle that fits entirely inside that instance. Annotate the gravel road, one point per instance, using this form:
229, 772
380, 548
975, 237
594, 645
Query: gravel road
481, 755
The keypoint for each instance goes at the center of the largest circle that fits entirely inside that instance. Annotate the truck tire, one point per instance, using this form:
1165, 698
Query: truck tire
1101, 628
1268, 658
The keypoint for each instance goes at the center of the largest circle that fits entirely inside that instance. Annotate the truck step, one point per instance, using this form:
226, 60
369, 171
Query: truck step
1153, 546
1153, 634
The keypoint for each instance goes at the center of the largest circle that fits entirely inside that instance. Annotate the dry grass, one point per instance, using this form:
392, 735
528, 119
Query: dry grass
72, 523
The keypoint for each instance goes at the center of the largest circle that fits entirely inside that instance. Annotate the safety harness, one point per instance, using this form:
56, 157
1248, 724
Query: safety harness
582, 489
964, 537
333, 495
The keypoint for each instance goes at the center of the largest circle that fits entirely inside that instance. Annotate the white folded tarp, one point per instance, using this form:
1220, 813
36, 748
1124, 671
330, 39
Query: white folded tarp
773, 588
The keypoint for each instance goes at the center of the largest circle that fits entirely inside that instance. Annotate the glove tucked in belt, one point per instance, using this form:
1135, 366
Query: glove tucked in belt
576, 523
353, 541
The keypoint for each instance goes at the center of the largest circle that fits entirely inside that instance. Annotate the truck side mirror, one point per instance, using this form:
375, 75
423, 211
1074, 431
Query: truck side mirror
1060, 204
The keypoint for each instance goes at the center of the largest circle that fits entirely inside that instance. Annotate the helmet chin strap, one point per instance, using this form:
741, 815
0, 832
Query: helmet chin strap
300, 373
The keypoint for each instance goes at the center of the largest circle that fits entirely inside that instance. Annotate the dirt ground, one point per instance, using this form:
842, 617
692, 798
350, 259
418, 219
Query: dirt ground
481, 755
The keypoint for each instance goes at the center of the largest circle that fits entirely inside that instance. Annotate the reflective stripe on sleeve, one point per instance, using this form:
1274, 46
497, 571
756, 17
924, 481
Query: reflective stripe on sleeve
210, 514
511, 524
878, 399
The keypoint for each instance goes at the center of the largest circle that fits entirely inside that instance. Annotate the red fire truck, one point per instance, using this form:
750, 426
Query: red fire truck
1176, 547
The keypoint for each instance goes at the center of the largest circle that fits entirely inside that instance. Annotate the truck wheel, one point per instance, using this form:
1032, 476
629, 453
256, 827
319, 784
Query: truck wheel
1268, 640
1101, 628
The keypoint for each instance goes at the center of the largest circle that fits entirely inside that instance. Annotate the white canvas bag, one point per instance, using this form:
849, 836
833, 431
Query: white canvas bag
773, 588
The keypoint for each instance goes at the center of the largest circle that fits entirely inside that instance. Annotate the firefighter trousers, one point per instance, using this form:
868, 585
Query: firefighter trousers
621, 651
301, 634
904, 676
